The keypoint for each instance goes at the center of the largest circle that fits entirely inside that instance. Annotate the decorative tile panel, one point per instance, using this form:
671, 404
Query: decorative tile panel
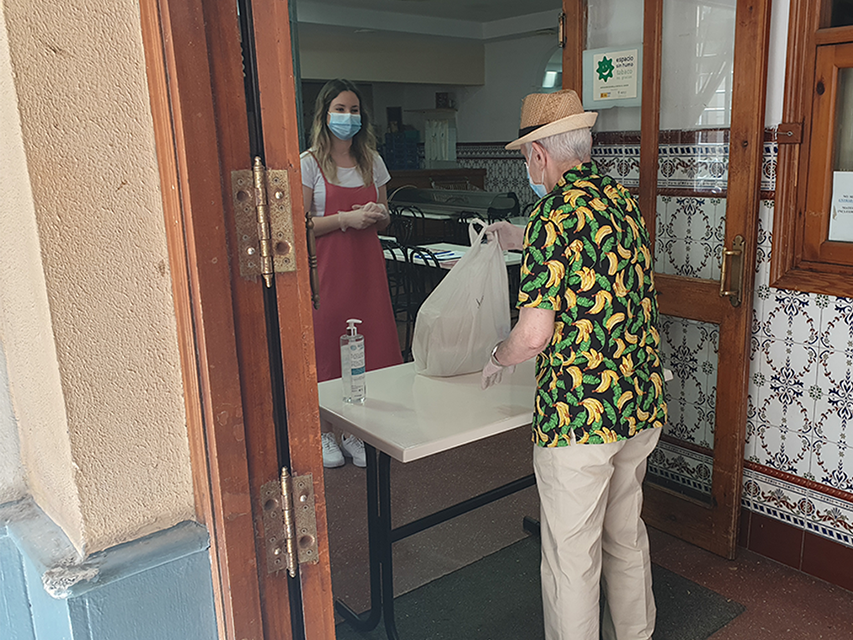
689, 236
799, 506
683, 467
620, 161
689, 349
699, 167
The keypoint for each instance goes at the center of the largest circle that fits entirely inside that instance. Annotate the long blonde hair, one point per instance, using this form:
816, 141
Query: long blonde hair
363, 146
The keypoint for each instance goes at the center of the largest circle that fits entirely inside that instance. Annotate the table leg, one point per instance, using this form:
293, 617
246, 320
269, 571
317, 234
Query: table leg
531, 526
386, 545
369, 621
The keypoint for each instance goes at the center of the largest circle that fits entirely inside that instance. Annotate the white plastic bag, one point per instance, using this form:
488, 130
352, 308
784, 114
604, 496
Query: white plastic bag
466, 314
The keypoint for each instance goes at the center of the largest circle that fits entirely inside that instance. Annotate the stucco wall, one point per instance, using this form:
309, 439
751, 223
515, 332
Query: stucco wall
32, 391
12, 485
87, 135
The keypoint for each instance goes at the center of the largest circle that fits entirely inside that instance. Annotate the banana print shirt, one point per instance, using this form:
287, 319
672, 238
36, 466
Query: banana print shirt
587, 257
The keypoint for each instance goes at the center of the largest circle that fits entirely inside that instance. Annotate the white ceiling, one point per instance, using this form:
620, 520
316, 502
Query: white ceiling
469, 10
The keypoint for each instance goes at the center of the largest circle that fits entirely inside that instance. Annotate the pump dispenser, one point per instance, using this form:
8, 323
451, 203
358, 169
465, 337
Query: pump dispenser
352, 363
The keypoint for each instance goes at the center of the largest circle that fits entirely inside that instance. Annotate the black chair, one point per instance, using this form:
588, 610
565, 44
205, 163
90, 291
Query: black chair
459, 231
400, 228
418, 232
395, 267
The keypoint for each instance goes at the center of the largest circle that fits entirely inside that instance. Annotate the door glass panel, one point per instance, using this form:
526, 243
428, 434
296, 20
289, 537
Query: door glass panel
844, 122
695, 115
840, 219
616, 24
841, 13
684, 459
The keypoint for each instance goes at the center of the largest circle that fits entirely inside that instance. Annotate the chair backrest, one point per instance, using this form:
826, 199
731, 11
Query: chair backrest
401, 228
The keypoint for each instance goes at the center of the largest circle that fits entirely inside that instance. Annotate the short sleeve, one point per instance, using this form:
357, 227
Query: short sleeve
544, 264
380, 171
310, 170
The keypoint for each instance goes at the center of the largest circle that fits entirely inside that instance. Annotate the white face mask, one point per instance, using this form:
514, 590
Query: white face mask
539, 188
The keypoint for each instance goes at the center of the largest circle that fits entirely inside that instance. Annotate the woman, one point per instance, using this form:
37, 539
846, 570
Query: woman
343, 184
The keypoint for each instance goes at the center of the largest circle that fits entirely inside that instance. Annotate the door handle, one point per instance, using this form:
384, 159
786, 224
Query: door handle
313, 276
735, 256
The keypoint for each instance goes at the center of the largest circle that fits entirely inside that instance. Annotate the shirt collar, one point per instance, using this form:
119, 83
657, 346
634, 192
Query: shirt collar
585, 170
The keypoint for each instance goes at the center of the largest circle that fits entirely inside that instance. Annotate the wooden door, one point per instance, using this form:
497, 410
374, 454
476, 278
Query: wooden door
694, 481
216, 74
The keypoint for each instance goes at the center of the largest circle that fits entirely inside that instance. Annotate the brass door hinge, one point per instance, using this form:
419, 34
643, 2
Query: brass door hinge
561, 30
290, 522
262, 210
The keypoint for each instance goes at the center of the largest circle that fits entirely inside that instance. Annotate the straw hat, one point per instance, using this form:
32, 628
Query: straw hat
547, 114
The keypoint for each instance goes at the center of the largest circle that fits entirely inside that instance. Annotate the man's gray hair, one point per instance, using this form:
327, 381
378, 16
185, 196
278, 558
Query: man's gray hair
571, 146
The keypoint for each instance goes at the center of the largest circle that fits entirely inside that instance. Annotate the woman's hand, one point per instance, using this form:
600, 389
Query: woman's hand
362, 216
508, 235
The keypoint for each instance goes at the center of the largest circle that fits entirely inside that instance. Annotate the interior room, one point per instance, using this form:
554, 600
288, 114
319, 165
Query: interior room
498, 60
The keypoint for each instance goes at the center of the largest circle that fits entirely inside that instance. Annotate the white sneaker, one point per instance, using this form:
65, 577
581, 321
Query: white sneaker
332, 456
353, 448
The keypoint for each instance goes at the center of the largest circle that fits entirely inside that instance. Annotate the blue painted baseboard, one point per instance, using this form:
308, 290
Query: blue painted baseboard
157, 587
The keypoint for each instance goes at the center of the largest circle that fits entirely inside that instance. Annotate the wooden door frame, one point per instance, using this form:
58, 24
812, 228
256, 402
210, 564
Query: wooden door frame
192, 61
715, 529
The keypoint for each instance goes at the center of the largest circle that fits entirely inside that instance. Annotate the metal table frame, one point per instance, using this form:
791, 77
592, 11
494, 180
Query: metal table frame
382, 535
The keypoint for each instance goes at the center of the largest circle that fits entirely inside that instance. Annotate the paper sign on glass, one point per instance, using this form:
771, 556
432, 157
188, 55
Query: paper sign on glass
841, 213
614, 75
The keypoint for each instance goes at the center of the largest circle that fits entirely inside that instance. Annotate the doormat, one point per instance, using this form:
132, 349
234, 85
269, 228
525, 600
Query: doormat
498, 597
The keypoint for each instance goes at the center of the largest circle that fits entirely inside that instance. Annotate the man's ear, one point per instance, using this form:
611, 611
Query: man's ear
537, 151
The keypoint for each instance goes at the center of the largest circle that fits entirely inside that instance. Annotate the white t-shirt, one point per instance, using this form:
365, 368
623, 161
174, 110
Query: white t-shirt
312, 178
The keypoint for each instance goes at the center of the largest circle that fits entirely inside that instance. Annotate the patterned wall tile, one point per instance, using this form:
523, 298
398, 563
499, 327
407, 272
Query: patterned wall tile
799, 506
832, 465
689, 349
834, 396
689, 236
700, 166
783, 449
621, 161
768, 166
681, 466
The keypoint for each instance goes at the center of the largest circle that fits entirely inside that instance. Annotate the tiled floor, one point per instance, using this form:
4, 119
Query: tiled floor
781, 603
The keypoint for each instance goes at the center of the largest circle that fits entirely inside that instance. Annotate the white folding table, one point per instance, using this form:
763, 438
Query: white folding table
408, 417
447, 254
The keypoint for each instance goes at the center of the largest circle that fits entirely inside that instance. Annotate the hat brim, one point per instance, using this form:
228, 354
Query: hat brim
569, 123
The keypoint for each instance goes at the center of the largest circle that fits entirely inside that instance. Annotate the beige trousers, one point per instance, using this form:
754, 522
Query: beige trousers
593, 538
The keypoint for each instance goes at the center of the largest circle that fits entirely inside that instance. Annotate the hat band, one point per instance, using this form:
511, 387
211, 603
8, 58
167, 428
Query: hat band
523, 132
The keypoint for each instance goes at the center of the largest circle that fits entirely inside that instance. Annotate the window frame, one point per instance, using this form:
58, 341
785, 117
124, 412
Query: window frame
802, 258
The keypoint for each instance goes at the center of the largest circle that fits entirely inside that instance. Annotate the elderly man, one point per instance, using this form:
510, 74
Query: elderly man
588, 312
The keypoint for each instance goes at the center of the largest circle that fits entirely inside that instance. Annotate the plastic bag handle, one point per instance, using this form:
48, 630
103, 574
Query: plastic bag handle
476, 237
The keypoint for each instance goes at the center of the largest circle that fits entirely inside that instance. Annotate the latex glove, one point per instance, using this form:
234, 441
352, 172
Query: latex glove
493, 373
509, 236
362, 216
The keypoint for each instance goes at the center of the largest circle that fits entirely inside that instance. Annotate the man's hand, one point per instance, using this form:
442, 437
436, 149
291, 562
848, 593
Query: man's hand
362, 216
493, 373
509, 236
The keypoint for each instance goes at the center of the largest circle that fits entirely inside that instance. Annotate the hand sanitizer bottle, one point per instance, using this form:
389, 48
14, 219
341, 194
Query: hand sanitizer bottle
352, 364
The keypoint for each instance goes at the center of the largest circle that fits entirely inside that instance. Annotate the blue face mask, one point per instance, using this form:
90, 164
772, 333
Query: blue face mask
344, 125
539, 189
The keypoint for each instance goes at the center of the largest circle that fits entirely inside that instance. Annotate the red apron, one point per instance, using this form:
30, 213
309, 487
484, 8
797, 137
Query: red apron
353, 284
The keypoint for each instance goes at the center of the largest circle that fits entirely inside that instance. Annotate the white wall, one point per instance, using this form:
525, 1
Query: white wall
329, 52
487, 113
776, 69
